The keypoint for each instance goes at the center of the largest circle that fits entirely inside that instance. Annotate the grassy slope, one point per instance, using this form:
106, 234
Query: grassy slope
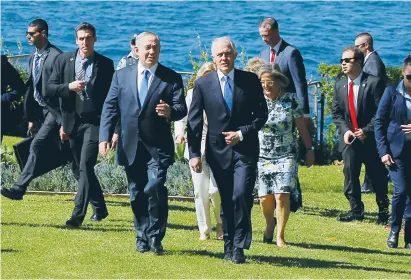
35, 245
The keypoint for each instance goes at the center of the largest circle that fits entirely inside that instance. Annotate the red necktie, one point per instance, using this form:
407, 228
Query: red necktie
353, 113
272, 59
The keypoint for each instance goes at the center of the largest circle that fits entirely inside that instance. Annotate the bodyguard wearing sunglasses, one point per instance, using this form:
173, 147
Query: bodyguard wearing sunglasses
355, 103
373, 65
393, 135
38, 108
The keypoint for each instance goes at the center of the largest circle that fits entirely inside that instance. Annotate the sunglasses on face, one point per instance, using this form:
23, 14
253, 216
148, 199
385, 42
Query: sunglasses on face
268, 83
346, 60
31, 33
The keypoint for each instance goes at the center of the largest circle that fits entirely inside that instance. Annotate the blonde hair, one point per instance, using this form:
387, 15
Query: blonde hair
206, 67
254, 64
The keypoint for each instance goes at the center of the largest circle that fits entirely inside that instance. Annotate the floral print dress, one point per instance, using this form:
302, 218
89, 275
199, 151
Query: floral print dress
278, 166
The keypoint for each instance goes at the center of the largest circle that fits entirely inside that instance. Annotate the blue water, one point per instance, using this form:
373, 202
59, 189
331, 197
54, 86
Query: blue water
319, 29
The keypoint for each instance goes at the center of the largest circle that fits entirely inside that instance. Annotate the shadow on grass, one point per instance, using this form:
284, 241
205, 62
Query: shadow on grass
9, 251
183, 227
181, 208
346, 249
118, 203
369, 217
84, 227
297, 262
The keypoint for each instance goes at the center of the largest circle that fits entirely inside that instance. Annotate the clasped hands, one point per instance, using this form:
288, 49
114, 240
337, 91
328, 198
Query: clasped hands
231, 138
77, 86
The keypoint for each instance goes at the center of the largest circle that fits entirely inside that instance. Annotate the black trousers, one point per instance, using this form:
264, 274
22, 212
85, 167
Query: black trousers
84, 146
354, 156
148, 195
236, 185
47, 133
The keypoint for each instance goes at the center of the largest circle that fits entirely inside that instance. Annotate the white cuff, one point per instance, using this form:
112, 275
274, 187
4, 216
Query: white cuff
240, 135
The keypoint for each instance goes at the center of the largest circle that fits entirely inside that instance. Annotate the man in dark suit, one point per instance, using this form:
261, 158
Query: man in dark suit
355, 103
38, 107
146, 97
234, 103
81, 79
10, 79
373, 65
288, 57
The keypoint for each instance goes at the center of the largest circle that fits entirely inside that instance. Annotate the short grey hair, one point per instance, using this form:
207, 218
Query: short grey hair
144, 34
224, 38
275, 72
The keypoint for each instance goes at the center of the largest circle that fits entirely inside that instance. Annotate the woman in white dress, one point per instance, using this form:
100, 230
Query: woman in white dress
205, 188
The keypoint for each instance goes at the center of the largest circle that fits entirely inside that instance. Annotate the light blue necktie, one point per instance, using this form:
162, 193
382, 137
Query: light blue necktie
36, 73
142, 93
228, 93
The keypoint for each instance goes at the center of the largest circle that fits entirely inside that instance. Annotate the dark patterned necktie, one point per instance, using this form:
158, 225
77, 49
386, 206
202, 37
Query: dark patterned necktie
36, 73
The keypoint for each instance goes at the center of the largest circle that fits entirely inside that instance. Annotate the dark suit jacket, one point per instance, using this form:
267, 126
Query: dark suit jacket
249, 113
292, 65
10, 78
141, 122
64, 73
369, 95
391, 114
32, 109
374, 66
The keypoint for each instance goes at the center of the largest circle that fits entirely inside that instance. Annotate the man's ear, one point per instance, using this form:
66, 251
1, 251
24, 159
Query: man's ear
95, 39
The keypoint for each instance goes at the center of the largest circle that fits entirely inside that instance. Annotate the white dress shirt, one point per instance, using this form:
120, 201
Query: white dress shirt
221, 79
276, 48
356, 87
140, 75
367, 56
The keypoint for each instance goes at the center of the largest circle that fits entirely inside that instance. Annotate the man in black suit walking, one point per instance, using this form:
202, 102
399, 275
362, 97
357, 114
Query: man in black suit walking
355, 103
373, 65
234, 103
10, 79
38, 107
146, 97
81, 79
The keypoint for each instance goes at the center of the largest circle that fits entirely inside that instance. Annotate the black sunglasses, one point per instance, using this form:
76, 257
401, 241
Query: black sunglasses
408, 77
346, 60
32, 33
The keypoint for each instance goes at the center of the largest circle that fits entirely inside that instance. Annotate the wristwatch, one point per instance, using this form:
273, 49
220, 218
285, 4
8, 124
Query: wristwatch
312, 148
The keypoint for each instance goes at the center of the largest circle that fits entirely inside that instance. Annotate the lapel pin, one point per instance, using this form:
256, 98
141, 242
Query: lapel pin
71, 59
363, 85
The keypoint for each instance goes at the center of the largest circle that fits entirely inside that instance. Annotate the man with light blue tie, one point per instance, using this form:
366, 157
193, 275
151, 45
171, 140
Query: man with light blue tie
145, 97
38, 108
234, 103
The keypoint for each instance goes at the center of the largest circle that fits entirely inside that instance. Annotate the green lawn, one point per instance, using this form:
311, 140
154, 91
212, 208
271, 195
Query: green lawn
36, 245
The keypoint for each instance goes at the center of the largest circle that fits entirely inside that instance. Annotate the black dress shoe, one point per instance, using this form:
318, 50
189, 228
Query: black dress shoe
98, 218
73, 223
155, 246
349, 217
228, 256
268, 240
382, 218
12, 193
238, 255
407, 246
392, 241
142, 246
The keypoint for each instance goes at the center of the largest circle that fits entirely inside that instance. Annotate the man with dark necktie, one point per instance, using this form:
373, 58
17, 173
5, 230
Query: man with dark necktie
288, 57
373, 65
145, 97
234, 103
81, 79
355, 103
38, 107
